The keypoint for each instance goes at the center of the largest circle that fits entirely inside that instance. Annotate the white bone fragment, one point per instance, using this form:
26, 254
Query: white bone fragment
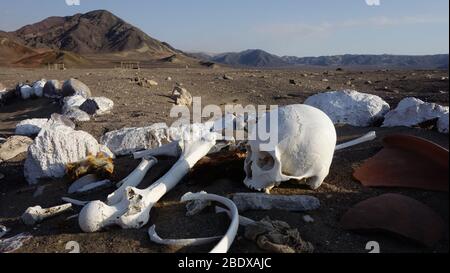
94, 185
34, 215
225, 243
3, 230
75, 202
72, 217
135, 177
172, 149
81, 182
262, 201
243, 221
132, 180
196, 206
367, 137
133, 210
154, 237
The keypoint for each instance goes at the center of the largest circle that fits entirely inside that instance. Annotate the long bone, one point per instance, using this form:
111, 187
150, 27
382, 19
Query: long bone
132, 180
226, 241
365, 138
133, 210
34, 215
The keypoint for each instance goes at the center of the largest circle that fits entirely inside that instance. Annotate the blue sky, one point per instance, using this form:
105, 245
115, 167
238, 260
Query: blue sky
282, 27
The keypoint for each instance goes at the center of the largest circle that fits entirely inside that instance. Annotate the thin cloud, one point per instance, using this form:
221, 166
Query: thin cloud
325, 28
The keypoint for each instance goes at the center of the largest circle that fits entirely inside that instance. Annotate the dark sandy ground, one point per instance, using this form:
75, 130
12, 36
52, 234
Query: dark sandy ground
138, 106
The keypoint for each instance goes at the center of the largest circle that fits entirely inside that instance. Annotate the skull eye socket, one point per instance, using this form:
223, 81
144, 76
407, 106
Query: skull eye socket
265, 161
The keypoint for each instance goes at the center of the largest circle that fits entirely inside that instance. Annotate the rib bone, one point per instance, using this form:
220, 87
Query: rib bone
226, 241
365, 138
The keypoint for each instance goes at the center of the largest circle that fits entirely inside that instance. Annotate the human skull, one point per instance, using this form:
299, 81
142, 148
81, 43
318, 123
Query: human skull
303, 150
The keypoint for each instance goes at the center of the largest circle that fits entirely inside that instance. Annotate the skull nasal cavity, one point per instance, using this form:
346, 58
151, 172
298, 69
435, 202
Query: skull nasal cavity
265, 161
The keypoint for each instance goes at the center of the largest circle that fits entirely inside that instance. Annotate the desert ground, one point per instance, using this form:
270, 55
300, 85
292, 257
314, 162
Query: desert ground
141, 106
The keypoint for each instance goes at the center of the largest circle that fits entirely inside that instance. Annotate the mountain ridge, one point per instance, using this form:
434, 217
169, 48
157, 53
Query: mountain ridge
265, 59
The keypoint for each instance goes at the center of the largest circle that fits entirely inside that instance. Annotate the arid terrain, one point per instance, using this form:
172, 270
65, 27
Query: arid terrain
140, 106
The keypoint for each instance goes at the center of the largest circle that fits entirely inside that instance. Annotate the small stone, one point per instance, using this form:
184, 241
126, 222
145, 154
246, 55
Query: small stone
152, 83
368, 82
14, 146
325, 80
181, 96
227, 77
169, 79
308, 219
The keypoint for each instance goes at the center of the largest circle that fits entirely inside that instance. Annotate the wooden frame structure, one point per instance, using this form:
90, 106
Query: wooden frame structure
130, 65
56, 66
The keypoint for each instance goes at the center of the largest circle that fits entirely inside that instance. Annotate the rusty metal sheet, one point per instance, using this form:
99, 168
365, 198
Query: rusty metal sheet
407, 161
397, 214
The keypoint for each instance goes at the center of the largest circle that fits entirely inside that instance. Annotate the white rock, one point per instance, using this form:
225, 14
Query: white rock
30, 127
308, 219
413, 111
128, 140
76, 114
443, 124
56, 146
73, 87
181, 96
350, 107
262, 201
105, 105
26, 91
38, 88
72, 101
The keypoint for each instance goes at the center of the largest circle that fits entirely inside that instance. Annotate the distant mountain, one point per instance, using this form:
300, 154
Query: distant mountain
260, 58
251, 57
94, 32
394, 61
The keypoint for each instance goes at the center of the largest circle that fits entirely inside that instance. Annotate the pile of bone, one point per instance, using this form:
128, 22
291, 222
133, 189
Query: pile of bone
58, 145
363, 110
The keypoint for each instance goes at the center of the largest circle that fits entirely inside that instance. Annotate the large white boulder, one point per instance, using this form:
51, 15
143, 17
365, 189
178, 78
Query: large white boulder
30, 127
412, 111
350, 107
38, 88
54, 147
128, 140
